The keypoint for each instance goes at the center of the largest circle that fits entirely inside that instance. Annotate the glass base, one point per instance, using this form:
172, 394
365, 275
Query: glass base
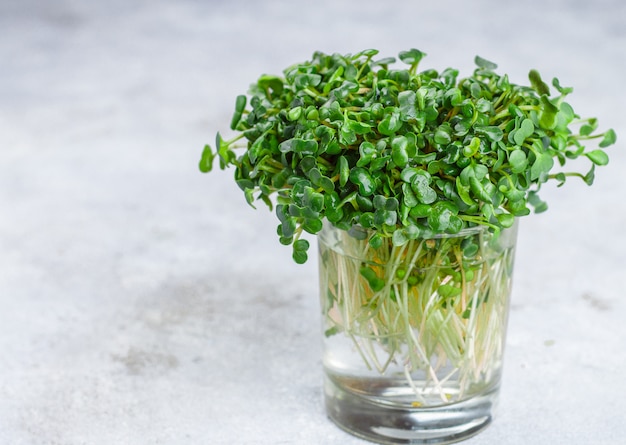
388, 424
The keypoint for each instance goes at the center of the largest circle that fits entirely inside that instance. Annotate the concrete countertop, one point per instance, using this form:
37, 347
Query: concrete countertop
142, 302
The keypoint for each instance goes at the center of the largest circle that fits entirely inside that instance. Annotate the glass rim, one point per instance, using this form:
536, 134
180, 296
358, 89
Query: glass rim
468, 231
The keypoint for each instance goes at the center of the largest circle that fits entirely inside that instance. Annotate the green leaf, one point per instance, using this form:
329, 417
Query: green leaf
302, 81
385, 61
379, 163
411, 148
364, 203
440, 217
430, 113
391, 203
358, 127
245, 184
472, 148
351, 72
385, 217
589, 127
363, 180
347, 136
289, 227
344, 171
478, 189
518, 208
333, 212
563, 90
484, 63
470, 248
313, 200
300, 256
548, 113
518, 161
332, 331
301, 146
514, 194
526, 130
494, 133
346, 88
609, 138
539, 205
312, 114
376, 241
448, 77
249, 195
307, 163
367, 151
462, 127
420, 211
409, 173
399, 151
475, 90
274, 83
294, 114
240, 105
515, 111
299, 189
281, 214
590, 176
454, 97
411, 57
255, 149
326, 184
564, 117
312, 226
399, 237
442, 136
542, 166
406, 100
375, 283
366, 220
463, 192
408, 196
484, 106
505, 219
537, 83
206, 160
284, 240
301, 245
223, 151
369, 53
391, 123
455, 224
379, 202
561, 178
424, 193
315, 176
480, 171
449, 291
598, 157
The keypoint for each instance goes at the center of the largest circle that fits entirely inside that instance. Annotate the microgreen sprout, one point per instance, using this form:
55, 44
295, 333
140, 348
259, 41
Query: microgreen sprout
414, 181
429, 314
407, 154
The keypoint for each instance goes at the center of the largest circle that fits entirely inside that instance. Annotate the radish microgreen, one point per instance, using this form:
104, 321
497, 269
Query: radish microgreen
335, 135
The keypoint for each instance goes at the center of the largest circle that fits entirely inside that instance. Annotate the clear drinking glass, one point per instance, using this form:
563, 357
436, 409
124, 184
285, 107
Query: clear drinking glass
414, 334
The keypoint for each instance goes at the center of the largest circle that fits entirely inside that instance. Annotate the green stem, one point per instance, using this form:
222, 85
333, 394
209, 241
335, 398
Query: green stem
443, 345
233, 140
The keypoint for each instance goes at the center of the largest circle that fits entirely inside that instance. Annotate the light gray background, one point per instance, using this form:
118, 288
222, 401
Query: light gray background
142, 302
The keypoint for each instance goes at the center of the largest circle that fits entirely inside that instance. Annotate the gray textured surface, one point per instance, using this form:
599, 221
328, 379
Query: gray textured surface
144, 303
